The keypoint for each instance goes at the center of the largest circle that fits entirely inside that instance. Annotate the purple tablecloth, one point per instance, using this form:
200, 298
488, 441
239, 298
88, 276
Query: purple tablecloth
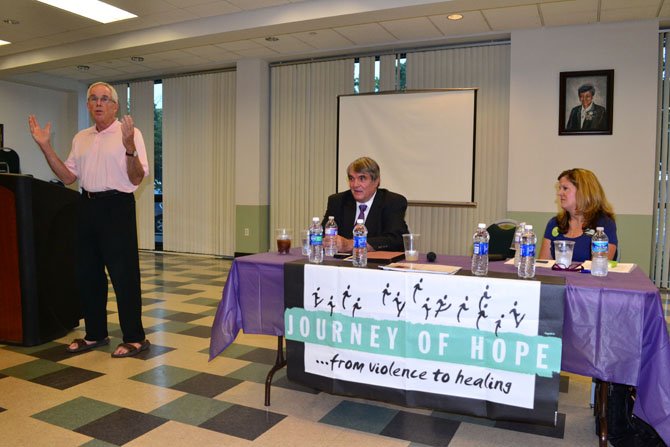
614, 327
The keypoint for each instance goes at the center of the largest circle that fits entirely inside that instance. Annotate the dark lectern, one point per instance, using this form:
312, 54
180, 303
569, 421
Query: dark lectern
38, 295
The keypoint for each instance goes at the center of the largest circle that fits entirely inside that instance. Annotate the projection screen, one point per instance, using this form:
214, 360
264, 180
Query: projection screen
424, 142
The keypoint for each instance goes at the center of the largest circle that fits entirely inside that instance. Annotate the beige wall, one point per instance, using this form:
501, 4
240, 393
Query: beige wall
59, 108
623, 161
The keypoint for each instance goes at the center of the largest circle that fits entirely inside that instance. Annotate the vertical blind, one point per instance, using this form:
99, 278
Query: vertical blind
303, 138
449, 229
199, 164
660, 251
142, 111
141, 108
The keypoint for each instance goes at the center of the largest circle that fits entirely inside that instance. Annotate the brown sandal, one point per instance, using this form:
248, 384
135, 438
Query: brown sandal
131, 350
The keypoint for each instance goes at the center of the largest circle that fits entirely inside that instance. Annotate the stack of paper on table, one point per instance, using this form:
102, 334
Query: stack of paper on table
424, 268
615, 267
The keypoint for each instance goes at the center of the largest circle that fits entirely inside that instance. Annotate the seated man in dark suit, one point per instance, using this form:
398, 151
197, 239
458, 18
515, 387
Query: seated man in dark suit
383, 210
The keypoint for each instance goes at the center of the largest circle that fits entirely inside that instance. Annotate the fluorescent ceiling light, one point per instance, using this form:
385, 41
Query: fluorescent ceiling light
4, 42
92, 9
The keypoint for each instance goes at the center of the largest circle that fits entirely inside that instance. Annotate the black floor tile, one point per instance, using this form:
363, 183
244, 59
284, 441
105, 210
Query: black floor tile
150, 301
564, 384
542, 430
152, 352
56, 353
66, 378
184, 317
164, 282
260, 355
243, 422
207, 385
283, 382
421, 429
121, 426
180, 290
198, 331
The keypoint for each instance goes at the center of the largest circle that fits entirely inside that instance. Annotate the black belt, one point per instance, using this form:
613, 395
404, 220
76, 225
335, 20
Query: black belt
101, 194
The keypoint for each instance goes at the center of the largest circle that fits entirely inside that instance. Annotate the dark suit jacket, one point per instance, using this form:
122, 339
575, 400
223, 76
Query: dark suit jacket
385, 222
595, 120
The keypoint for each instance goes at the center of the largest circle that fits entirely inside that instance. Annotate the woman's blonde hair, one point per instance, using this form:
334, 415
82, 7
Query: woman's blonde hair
591, 200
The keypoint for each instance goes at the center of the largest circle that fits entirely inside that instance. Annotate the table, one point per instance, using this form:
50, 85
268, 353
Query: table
614, 327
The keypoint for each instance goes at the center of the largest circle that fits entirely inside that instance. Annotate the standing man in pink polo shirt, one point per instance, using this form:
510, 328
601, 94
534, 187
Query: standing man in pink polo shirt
110, 161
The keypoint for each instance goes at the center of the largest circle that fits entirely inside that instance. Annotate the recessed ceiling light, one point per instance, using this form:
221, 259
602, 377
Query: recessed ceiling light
137, 58
455, 16
92, 9
11, 22
4, 42
272, 38
83, 67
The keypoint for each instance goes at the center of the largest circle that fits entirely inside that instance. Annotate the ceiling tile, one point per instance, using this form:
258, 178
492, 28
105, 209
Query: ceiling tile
573, 12
412, 29
285, 44
257, 4
515, 17
257, 52
239, 45
472, 23
210, 52
323, 39
213, 9
366, 34
618, 10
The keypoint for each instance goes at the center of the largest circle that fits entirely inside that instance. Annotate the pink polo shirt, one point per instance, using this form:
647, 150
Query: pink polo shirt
98, 159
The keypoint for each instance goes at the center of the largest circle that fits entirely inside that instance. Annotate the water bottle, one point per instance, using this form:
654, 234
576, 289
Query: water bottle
330, 237
315, 242
599, 251
526, 267
480, 251
517, 243
360, 252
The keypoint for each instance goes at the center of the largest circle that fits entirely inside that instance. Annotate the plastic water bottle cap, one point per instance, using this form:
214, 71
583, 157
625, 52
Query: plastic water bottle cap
481, 225
528, 227
315, 219
359, 221
600, 228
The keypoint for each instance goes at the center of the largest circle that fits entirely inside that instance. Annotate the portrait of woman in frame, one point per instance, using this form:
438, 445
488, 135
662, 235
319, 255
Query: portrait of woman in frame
586, 102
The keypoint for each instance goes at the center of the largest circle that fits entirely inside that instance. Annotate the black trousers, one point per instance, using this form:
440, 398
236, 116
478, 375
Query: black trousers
107, 237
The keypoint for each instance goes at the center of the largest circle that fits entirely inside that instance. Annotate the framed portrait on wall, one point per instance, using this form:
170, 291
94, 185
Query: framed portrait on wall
586, 102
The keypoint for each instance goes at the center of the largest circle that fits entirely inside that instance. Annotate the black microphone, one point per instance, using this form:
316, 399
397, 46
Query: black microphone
431, 256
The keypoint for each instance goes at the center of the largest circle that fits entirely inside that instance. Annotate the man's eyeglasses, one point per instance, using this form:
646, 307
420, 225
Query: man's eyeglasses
102, 99
574, 267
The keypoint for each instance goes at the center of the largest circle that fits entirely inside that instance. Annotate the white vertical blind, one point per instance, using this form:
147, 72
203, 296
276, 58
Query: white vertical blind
122, 91
198, 164
660, 251
303, 138
142, 111
366, 74
388, 73
449, 229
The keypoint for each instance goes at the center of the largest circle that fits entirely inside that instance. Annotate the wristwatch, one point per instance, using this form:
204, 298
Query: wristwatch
134, 154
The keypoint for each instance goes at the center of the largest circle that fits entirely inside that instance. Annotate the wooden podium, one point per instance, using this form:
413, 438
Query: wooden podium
38, 295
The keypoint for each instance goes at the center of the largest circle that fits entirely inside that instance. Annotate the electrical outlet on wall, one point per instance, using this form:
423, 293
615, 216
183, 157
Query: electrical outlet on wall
246, 232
